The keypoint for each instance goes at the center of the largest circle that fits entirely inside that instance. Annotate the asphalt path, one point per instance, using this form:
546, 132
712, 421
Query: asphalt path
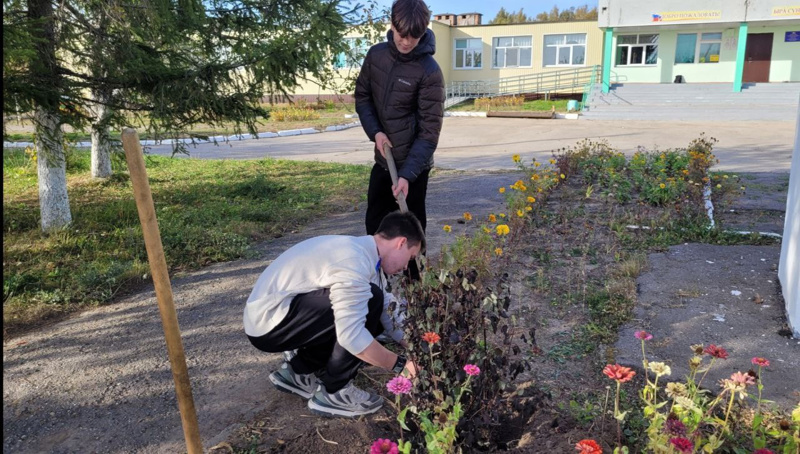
474, 143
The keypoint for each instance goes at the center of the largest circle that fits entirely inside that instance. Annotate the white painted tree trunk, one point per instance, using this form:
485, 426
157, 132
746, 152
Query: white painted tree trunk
52, 169
101, 139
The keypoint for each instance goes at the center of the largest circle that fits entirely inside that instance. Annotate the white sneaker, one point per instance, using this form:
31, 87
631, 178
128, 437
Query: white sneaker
349, 402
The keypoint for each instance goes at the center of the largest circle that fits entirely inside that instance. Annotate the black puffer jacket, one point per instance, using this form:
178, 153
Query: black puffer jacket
402, 95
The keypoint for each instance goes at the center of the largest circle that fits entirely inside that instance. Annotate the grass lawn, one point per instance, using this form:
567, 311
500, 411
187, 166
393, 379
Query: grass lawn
208, 211
22, 131
528, 106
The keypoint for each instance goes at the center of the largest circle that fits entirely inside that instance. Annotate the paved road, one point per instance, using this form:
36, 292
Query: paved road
469, 143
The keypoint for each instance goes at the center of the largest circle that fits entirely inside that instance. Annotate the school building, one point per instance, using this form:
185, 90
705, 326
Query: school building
733, 41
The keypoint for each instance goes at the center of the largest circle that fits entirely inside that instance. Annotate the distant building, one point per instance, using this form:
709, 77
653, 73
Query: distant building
470, 52
454, 20
737, 41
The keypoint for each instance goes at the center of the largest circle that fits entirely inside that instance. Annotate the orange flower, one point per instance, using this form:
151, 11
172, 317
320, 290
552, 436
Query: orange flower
431, 337
502, 190
619, 373
498, 251
467, 216
588, 447
492, 218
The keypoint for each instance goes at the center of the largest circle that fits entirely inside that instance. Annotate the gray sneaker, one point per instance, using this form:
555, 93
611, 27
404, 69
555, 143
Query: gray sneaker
286, 380
349, 402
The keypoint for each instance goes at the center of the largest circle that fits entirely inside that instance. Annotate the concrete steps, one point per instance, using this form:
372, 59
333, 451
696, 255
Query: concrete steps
690, 102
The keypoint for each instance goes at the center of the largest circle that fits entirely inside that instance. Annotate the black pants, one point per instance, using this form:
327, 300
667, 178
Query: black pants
381, 201
309, 327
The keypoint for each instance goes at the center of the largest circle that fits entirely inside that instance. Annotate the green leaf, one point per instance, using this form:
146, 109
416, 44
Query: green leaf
401, 418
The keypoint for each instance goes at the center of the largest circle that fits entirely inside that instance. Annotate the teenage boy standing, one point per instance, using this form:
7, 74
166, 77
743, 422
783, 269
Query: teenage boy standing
400, 102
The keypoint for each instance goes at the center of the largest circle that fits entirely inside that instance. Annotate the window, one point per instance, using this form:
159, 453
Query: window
354, 56
468, 53
637, 50
564, 50
698, 48
511, 52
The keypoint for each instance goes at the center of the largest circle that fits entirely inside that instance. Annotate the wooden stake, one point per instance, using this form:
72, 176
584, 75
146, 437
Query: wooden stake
158, 269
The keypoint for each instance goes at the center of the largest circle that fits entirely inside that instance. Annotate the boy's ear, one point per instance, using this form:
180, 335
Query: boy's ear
401, 241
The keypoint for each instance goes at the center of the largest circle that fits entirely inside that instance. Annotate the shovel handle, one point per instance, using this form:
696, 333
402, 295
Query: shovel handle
401, 197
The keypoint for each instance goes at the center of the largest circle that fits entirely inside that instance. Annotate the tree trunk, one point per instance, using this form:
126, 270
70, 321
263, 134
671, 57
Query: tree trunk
52, 166
101, 139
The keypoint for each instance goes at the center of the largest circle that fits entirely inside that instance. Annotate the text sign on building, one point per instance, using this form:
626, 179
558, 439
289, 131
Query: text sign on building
793, 10
673, 16
792, 37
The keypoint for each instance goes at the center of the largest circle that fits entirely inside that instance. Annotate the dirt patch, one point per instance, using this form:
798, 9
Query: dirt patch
723, 295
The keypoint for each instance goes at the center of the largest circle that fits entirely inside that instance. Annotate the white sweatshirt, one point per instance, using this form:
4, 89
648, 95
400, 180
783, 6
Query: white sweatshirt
344, 264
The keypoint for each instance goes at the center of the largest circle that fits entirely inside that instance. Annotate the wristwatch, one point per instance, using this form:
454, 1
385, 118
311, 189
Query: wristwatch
400, 364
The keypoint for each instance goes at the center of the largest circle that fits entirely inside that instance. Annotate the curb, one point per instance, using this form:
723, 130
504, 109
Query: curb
559, 116
261, 135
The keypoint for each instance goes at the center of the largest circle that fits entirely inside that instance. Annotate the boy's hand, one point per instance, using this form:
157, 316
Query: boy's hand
402, 186
381, 139
411, 370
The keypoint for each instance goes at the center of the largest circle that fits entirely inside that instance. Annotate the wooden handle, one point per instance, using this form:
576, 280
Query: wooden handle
401, 198
158, 269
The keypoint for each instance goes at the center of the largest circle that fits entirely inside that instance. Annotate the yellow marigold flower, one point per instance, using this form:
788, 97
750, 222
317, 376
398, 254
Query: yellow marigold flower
502, 190
719, 186
563, 176
492, 218
502, 215
467, 216
537, 164
447, 228
553, 161
520, 213
502, 229
528, 208
531, 199
498, 251
486, 229
535, 177
515, 158
539, 189
662, 186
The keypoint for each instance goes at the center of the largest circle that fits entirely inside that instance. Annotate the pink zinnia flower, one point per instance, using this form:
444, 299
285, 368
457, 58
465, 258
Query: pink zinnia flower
762, 362
472, 369
383, 446
763, 451
399, 385
682, 445
716, 352
742, 379
643, 335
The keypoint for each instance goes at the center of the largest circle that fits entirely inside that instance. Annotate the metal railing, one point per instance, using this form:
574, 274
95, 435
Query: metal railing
545, 83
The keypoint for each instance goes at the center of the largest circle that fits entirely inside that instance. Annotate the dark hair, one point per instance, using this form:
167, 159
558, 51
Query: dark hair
397, 224
410, 17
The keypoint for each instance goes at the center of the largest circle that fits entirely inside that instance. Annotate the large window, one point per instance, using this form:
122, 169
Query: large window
637, 50
354, 56
468, 53
511, 52
564, 50
698, 47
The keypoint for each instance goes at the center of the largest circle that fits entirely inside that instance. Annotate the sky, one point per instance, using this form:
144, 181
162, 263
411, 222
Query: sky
489, 8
